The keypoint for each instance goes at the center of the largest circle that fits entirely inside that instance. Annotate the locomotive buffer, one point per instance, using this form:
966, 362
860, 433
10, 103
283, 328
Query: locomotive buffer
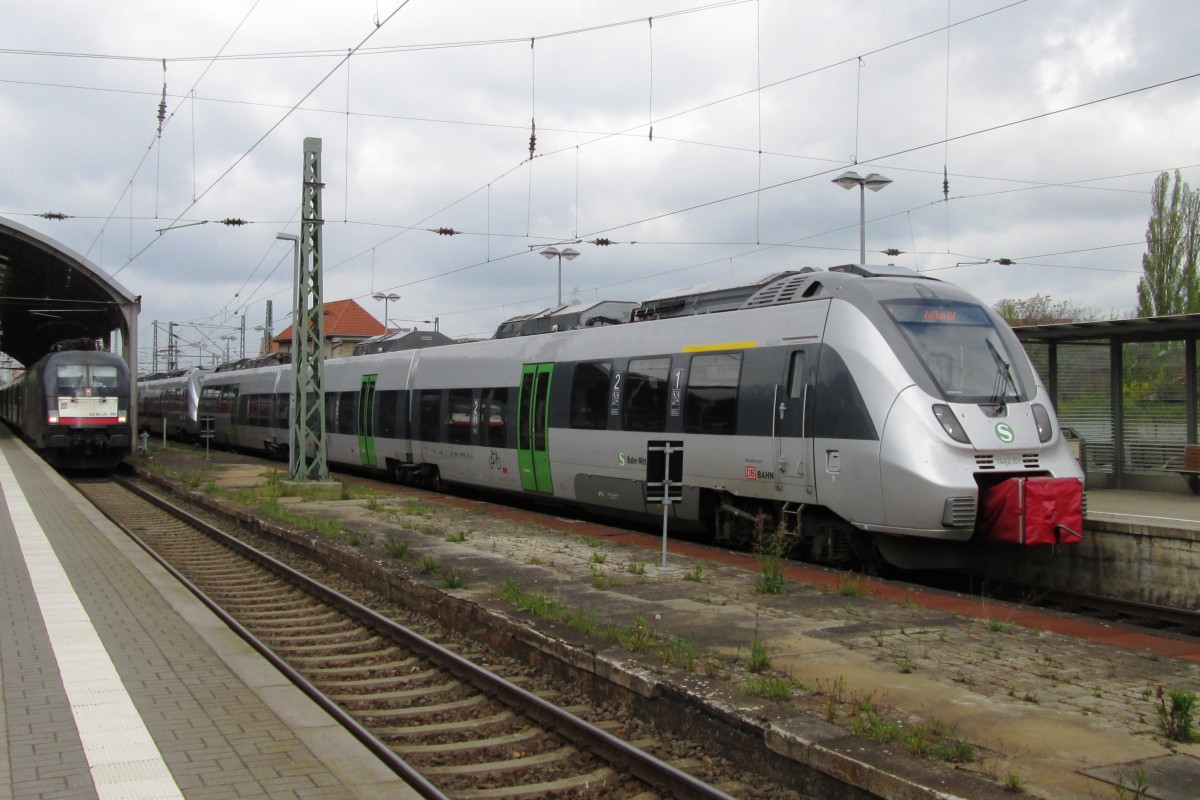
664, 479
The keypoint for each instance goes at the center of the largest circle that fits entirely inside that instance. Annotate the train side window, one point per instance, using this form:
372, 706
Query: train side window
347, 421
646, 385
228, 404
331, 403
796, 376
281, 405
266, 405
429, 415
458, 419
589, 395
387, 403
494, 432
710, 403
208, 399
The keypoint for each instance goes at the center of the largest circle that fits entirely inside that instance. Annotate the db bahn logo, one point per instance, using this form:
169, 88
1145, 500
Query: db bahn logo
1005, 433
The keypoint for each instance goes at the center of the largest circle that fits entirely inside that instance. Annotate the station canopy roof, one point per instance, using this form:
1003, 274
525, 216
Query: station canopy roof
49, 294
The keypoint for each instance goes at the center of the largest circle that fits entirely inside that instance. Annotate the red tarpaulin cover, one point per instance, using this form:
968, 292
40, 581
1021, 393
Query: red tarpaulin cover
1032, 511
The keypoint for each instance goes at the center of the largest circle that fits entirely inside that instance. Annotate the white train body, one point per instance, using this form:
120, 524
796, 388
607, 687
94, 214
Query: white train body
171, 400
865, 412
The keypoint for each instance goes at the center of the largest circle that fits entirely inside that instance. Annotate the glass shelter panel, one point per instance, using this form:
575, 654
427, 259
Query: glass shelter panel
1155, 406
1084, 400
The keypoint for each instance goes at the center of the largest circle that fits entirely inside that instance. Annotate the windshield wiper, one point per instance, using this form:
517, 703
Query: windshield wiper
1004, 376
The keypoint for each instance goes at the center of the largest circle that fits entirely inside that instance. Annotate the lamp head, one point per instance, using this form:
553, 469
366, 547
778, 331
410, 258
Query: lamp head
875, 181
848, 179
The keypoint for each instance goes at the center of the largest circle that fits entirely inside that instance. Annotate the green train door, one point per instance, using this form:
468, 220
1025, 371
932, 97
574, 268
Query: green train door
533, 455
366, 420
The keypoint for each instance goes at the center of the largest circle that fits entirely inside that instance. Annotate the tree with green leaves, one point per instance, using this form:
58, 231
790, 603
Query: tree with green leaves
1042, 310
1169, 284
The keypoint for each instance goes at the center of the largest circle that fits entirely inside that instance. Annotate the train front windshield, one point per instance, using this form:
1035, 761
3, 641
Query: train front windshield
81, 380
960, 349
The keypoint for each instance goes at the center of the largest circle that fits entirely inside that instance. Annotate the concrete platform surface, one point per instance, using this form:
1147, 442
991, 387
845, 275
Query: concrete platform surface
115, 682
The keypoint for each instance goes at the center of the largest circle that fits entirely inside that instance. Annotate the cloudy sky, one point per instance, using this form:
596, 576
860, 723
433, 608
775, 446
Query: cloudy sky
699, 137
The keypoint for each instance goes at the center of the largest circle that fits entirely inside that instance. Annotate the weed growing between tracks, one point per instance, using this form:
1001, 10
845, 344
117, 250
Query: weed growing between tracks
1175, 709
770, 549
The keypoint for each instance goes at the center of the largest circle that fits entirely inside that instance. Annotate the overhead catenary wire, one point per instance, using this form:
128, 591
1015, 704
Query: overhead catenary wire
578, 148
269, 131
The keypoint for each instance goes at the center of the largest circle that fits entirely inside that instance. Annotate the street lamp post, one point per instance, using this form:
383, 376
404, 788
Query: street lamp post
386, 298
874, 182
567, 253
295, 240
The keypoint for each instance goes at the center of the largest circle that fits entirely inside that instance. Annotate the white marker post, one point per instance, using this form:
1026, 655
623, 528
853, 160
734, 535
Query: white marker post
207, 431
664, 479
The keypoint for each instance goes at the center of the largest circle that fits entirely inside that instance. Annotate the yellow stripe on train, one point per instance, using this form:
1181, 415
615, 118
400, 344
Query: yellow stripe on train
701, 348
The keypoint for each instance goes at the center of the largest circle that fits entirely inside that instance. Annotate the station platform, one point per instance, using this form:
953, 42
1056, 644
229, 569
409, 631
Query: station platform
118, 683
1144, 510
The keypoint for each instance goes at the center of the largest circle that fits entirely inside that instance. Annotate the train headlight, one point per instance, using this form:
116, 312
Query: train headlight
1042, 417
52, 419
120, 418
950, 424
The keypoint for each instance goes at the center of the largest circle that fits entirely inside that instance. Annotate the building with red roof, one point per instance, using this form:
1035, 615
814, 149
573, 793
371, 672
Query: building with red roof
346, 324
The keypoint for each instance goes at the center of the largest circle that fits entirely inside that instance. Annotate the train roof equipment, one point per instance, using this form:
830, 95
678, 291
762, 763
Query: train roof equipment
401, 340
566, 318
708, 298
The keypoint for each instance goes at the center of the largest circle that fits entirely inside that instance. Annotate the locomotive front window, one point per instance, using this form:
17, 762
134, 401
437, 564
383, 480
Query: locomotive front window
104, 381
960, 349
80, 380
72, 380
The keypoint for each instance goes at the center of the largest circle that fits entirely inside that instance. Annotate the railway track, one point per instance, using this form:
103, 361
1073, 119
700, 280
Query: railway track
1181, 622
452, 728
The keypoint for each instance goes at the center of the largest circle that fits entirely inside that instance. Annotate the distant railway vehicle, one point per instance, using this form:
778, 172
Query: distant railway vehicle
169, 400
72, 407
873, 414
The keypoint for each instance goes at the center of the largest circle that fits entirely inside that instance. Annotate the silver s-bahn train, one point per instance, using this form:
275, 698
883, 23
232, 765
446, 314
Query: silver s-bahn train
72, 407
170, 400
871, 414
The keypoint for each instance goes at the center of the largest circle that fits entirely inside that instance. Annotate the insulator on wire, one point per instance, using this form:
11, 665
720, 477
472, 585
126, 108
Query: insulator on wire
600, 242
532, 137
233, 222
945, 183
892, 251
53, 215
1005, 262
162, 104
446, 232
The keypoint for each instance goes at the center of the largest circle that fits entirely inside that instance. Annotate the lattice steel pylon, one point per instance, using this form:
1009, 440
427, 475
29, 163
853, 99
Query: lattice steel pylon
307, 445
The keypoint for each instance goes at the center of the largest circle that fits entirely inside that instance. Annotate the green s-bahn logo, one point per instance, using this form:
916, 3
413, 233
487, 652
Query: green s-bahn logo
1005, 433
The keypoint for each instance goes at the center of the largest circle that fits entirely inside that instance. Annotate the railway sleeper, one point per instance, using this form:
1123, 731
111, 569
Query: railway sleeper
471, 745
506, 765
466, 726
